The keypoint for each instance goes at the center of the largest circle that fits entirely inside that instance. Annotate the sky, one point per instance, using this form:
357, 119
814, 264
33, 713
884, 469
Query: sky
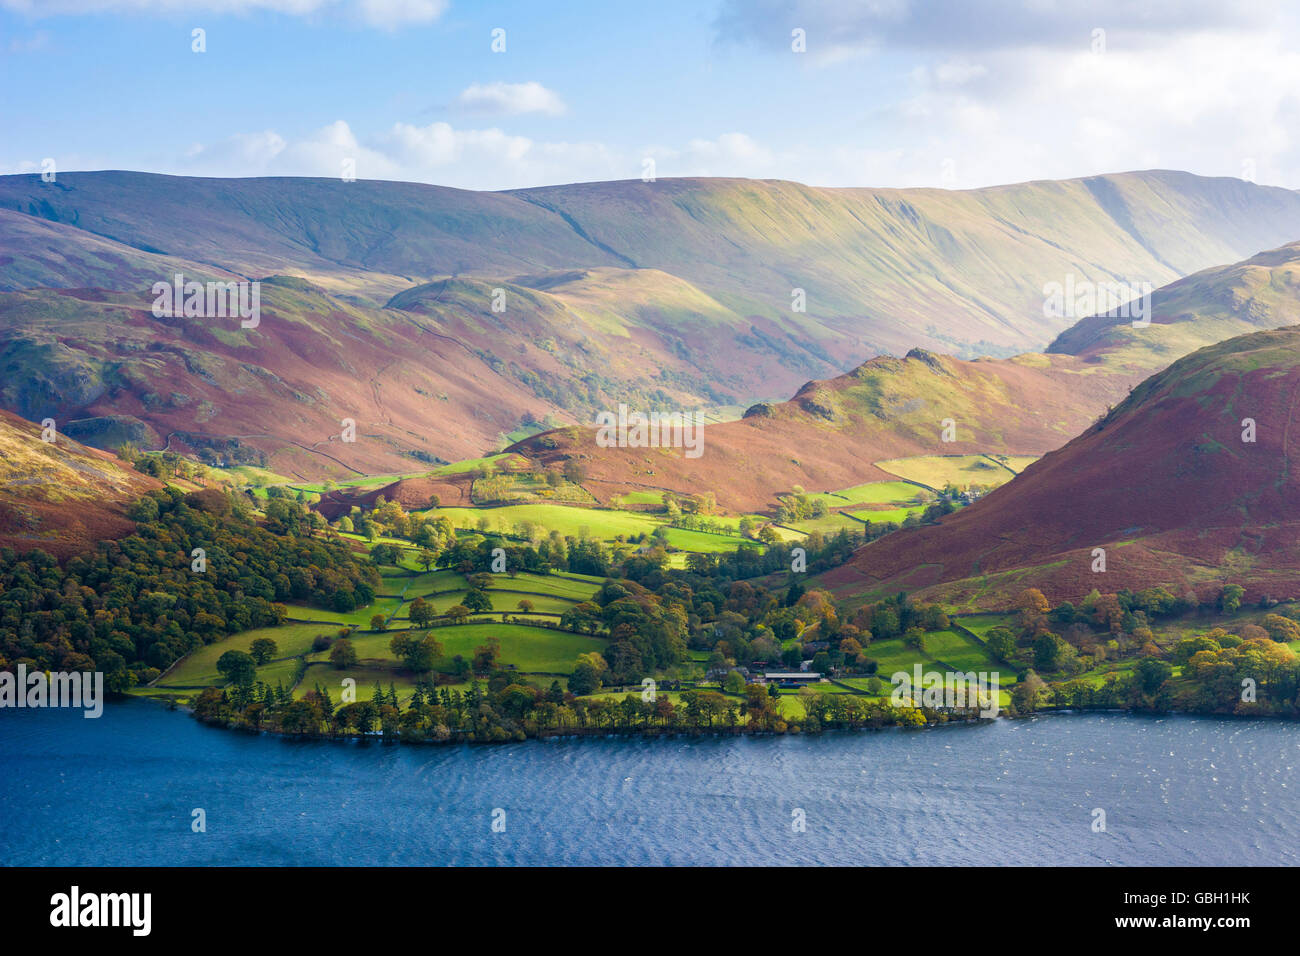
945, 93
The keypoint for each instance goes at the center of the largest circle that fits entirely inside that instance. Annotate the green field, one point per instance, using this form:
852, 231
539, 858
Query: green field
981, 624
879, 492
527, 648
638, 498
598, 523
832, 523
965, 654
199, 669
935, 471
887, 515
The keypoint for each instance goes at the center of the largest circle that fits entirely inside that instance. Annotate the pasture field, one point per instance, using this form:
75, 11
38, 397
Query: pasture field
386, 605
829, 524
965, 654
502, 600
523, 488
531, 649
369, 481
592, 522
638, 498
597, 523
981, 624
935, 471
1017, 463
562, 584
885, 515
879, 492
893, 655
199, 667
469, 464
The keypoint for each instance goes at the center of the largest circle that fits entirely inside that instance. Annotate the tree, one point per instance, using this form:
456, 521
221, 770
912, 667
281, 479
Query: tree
426, 558
734, 683
1025, 695
584, 680
237, 667
343, 655
525, 606
422, 612
457, 613
263, 650
424, 654
1230, 598
378, 622
1047, 653
1033, 608
477, 600
1152, 674
1001, 643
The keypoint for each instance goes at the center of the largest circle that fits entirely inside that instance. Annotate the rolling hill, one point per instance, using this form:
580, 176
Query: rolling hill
442, 321
1166, 484
830, 433
1212, 305
61, 497
882, 270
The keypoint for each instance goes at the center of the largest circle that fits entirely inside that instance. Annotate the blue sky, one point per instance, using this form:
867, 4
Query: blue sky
892, 93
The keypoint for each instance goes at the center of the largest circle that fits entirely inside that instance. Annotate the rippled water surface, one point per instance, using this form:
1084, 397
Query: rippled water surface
1175, 790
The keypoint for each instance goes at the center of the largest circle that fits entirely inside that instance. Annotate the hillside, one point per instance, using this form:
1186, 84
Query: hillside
102, 364
443, 321
1165, 484
61, 497
1212, 305
829, 434
883, 270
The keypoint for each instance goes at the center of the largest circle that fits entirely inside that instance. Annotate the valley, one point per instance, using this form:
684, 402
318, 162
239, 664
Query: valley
509, 570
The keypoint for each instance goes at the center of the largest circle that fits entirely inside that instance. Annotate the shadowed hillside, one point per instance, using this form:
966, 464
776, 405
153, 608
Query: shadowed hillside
1166, 484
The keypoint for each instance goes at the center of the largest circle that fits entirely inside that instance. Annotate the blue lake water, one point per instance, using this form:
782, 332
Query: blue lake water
1176, 790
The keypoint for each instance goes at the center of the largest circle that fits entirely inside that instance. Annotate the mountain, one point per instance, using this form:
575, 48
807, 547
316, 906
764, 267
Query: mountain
829, 434
60, 496
883, 270
442, 321
1212, 305
104, 367
1166, 484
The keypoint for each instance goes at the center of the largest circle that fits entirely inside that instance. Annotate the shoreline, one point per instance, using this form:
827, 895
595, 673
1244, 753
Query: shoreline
572, 734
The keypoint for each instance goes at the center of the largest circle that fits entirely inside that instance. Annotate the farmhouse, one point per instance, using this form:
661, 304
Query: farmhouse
791, 678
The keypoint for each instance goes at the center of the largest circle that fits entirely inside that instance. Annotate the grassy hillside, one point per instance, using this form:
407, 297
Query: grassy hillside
61, 497
883, 270
1213, 305
1168, 485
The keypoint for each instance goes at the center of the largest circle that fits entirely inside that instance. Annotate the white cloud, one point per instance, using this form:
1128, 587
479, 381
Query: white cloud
511, 98
438, 153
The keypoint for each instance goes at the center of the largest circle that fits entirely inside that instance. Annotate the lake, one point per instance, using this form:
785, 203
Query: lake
120, 790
